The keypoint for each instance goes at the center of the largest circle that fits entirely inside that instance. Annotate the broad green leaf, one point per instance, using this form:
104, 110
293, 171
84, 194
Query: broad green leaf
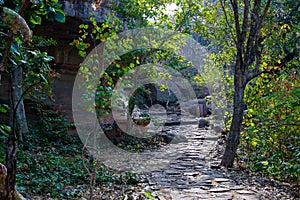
35, 19
60, 16
4, 108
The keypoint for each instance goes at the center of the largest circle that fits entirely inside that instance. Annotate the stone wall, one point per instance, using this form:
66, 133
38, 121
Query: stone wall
77, 12
65, 55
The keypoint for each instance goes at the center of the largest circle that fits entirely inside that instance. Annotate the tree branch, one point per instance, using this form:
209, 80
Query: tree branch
227, 21
7, 51
259, 39
255, 20
10, 39
289, 57
245, 20
5, 34
235, 7
263, 16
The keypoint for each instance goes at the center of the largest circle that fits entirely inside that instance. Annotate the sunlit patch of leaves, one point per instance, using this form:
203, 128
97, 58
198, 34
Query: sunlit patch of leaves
271, 138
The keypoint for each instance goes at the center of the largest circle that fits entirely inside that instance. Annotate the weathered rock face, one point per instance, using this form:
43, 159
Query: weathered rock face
81, 9
65, 55
77, 12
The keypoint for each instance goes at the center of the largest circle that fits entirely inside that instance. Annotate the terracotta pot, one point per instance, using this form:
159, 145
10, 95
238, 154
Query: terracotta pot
142, 122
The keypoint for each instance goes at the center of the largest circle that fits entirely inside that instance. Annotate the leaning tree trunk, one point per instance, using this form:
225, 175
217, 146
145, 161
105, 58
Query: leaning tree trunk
237, 119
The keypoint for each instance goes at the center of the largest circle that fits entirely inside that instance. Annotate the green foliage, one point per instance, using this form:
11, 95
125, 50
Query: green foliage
148, 195
100, 32
4, 108
107, 29
272, 108
50, 10
4, 130
140, 13
36, 69
34, 62
55, 168
271, 137
51, 123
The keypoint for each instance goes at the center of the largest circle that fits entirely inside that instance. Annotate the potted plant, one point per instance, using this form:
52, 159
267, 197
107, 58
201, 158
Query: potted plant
141, 117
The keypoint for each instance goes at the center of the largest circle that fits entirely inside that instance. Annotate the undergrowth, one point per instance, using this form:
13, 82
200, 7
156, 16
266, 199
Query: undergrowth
52, 164
271, 138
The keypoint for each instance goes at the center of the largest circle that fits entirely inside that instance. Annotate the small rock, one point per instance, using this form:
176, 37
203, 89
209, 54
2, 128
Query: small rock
202, 123
237, 187
220, 141
179, 138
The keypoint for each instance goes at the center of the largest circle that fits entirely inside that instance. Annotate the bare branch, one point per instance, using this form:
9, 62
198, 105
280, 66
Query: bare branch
254, 30
259, 21
256, 72
246, 19
227, 21
258, 39
258, 57
4, 34
235, 7
6, 52
289, 57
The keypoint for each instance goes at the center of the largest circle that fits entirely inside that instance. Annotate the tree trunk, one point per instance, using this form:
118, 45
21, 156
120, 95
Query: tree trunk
11, 163
3, 174
237, 119
11, 152
17, 77
15, 93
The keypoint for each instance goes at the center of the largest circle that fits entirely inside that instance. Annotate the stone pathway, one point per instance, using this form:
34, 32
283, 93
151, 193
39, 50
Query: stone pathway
192, 175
